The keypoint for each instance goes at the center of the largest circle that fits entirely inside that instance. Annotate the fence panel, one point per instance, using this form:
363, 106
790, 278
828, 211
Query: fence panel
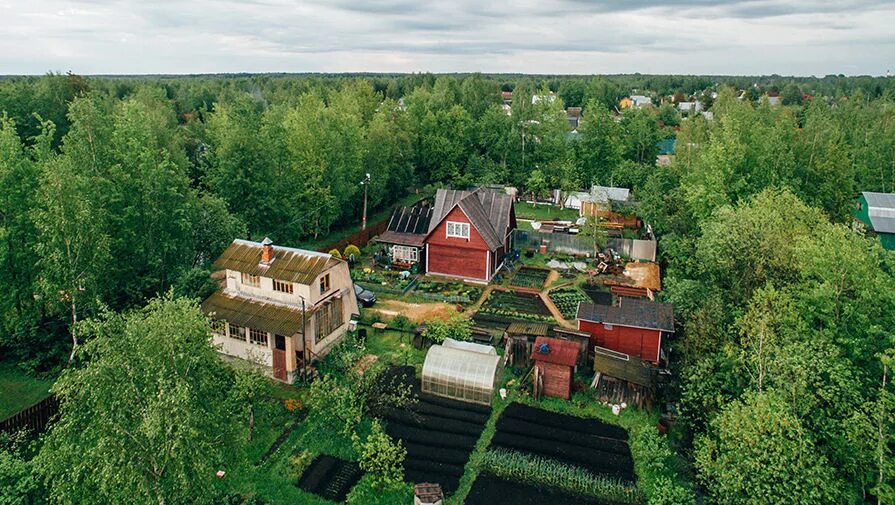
576, 244
35, 418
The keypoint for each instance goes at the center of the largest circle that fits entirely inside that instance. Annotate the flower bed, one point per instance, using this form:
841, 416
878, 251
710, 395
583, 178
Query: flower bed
513, 305
382, 281
530, 277
567, 300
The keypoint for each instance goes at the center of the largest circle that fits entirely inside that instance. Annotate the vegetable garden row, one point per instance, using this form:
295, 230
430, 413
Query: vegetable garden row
330, 477
515, 305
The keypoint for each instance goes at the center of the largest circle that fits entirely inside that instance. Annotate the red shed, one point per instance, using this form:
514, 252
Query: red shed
469, 233
554, 365
634, 326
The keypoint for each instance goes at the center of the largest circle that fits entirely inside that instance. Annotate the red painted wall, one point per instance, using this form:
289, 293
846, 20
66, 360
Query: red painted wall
638, 342
457, 256
557, 380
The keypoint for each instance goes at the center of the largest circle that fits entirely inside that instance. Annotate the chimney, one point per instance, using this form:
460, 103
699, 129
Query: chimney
266, 251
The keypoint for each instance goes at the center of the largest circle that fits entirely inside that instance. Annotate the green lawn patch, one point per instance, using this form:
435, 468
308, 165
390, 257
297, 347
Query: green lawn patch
19, 390
387, 345
525, 210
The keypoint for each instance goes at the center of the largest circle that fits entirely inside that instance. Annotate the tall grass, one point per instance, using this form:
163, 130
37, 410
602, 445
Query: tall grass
546, 472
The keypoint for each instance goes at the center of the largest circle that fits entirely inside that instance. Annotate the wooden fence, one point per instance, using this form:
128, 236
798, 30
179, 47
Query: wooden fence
35, 418
360, 238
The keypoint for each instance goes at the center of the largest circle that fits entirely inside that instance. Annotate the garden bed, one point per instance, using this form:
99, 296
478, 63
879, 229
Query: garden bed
516, 306
382, 281
439, 435
530, 278
488, 490
567, 300
453, 292
330, 478
586, 443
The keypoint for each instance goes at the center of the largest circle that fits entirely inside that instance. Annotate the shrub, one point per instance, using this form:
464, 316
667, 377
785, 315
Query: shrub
299, 462
457, 328
546, 472
382, 458
335, 253
352, 250
401, 322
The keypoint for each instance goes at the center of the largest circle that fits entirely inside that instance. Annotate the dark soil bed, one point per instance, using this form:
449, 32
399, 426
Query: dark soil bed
566, 422
330, 478
490, 490
525, 428
439, 434
599, 462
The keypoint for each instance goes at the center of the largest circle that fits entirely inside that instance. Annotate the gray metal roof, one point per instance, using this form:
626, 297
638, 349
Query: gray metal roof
881, 209
488, 210
631, 312
608, 193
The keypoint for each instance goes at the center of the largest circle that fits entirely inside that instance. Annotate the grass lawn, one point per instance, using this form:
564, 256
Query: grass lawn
19, 390
337, 235
525, 210
387, 345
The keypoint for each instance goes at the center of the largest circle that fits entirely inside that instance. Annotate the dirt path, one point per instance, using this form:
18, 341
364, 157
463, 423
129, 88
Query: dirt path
545, 297
416, 312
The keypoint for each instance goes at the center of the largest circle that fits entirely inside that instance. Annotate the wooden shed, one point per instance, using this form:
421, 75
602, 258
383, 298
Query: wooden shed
519, 340
555, 361
582, 338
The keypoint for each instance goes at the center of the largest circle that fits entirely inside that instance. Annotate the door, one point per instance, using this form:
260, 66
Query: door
279, 357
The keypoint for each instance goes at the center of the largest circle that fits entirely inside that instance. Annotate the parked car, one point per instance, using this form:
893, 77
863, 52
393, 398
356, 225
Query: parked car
364, 296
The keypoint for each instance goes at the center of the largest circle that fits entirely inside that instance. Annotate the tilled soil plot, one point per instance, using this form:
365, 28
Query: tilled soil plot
330, 478
588, 443
489, 490
439, 435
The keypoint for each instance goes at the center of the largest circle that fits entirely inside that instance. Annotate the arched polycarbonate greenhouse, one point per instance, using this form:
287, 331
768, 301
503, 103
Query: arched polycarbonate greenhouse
460, 374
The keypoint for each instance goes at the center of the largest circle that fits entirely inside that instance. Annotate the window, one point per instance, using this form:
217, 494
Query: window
324, 284
258, 337
607, 326
282, 286
405, 253
217, 326
237, 332
328, 318
460, 230
250, 280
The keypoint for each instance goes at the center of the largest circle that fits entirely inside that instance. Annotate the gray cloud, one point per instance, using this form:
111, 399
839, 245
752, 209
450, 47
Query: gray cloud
539, 36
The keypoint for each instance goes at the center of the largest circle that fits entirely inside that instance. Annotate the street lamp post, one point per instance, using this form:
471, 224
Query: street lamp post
365, 183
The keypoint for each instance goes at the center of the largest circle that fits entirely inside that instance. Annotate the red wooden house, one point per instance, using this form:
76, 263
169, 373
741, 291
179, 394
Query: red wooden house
469, 233
634, 326
555, 362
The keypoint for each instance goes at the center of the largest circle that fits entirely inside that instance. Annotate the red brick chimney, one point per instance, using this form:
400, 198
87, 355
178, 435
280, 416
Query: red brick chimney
266, 251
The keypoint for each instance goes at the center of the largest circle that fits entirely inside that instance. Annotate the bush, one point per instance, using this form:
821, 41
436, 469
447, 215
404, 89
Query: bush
352, 250
382, 458
335, 253
401, 322
457, 328
300, 462
546, 472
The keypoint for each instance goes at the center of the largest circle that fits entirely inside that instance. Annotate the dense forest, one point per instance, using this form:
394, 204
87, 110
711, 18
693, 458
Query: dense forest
116, 190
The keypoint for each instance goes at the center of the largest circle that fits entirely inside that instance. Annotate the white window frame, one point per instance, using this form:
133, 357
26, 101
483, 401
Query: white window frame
282, 286
258, 337
405, 253
457, 229
252, 281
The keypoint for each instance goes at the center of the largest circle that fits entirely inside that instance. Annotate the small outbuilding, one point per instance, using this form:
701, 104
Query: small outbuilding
555, 362
467, 374
519, 339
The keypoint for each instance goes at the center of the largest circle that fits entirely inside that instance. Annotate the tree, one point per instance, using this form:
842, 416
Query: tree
594, 229
382, 458
19, 483
791, 94
250, 388
599, 149
536, 184
757, 452
73, 249
150, 415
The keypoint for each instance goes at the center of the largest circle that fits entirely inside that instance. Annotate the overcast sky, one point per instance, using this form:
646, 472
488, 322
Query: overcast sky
788, 37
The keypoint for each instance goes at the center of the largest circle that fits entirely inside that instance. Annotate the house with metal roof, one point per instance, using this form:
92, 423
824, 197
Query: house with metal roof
633, 326
405, 236
469, 233
278, 307
874, 215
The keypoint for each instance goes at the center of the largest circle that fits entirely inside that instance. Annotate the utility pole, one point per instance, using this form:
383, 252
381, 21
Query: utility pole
365, 183
304, 344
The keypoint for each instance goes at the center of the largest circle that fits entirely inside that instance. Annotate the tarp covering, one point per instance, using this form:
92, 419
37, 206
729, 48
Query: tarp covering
460, 374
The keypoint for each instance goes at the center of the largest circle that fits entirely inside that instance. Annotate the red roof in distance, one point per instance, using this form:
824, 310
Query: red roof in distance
561, 352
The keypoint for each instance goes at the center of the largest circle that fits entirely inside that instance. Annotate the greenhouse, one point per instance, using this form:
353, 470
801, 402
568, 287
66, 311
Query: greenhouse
460, 374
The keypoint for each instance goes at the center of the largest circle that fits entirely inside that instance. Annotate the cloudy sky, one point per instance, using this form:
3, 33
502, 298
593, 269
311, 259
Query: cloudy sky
789, 37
